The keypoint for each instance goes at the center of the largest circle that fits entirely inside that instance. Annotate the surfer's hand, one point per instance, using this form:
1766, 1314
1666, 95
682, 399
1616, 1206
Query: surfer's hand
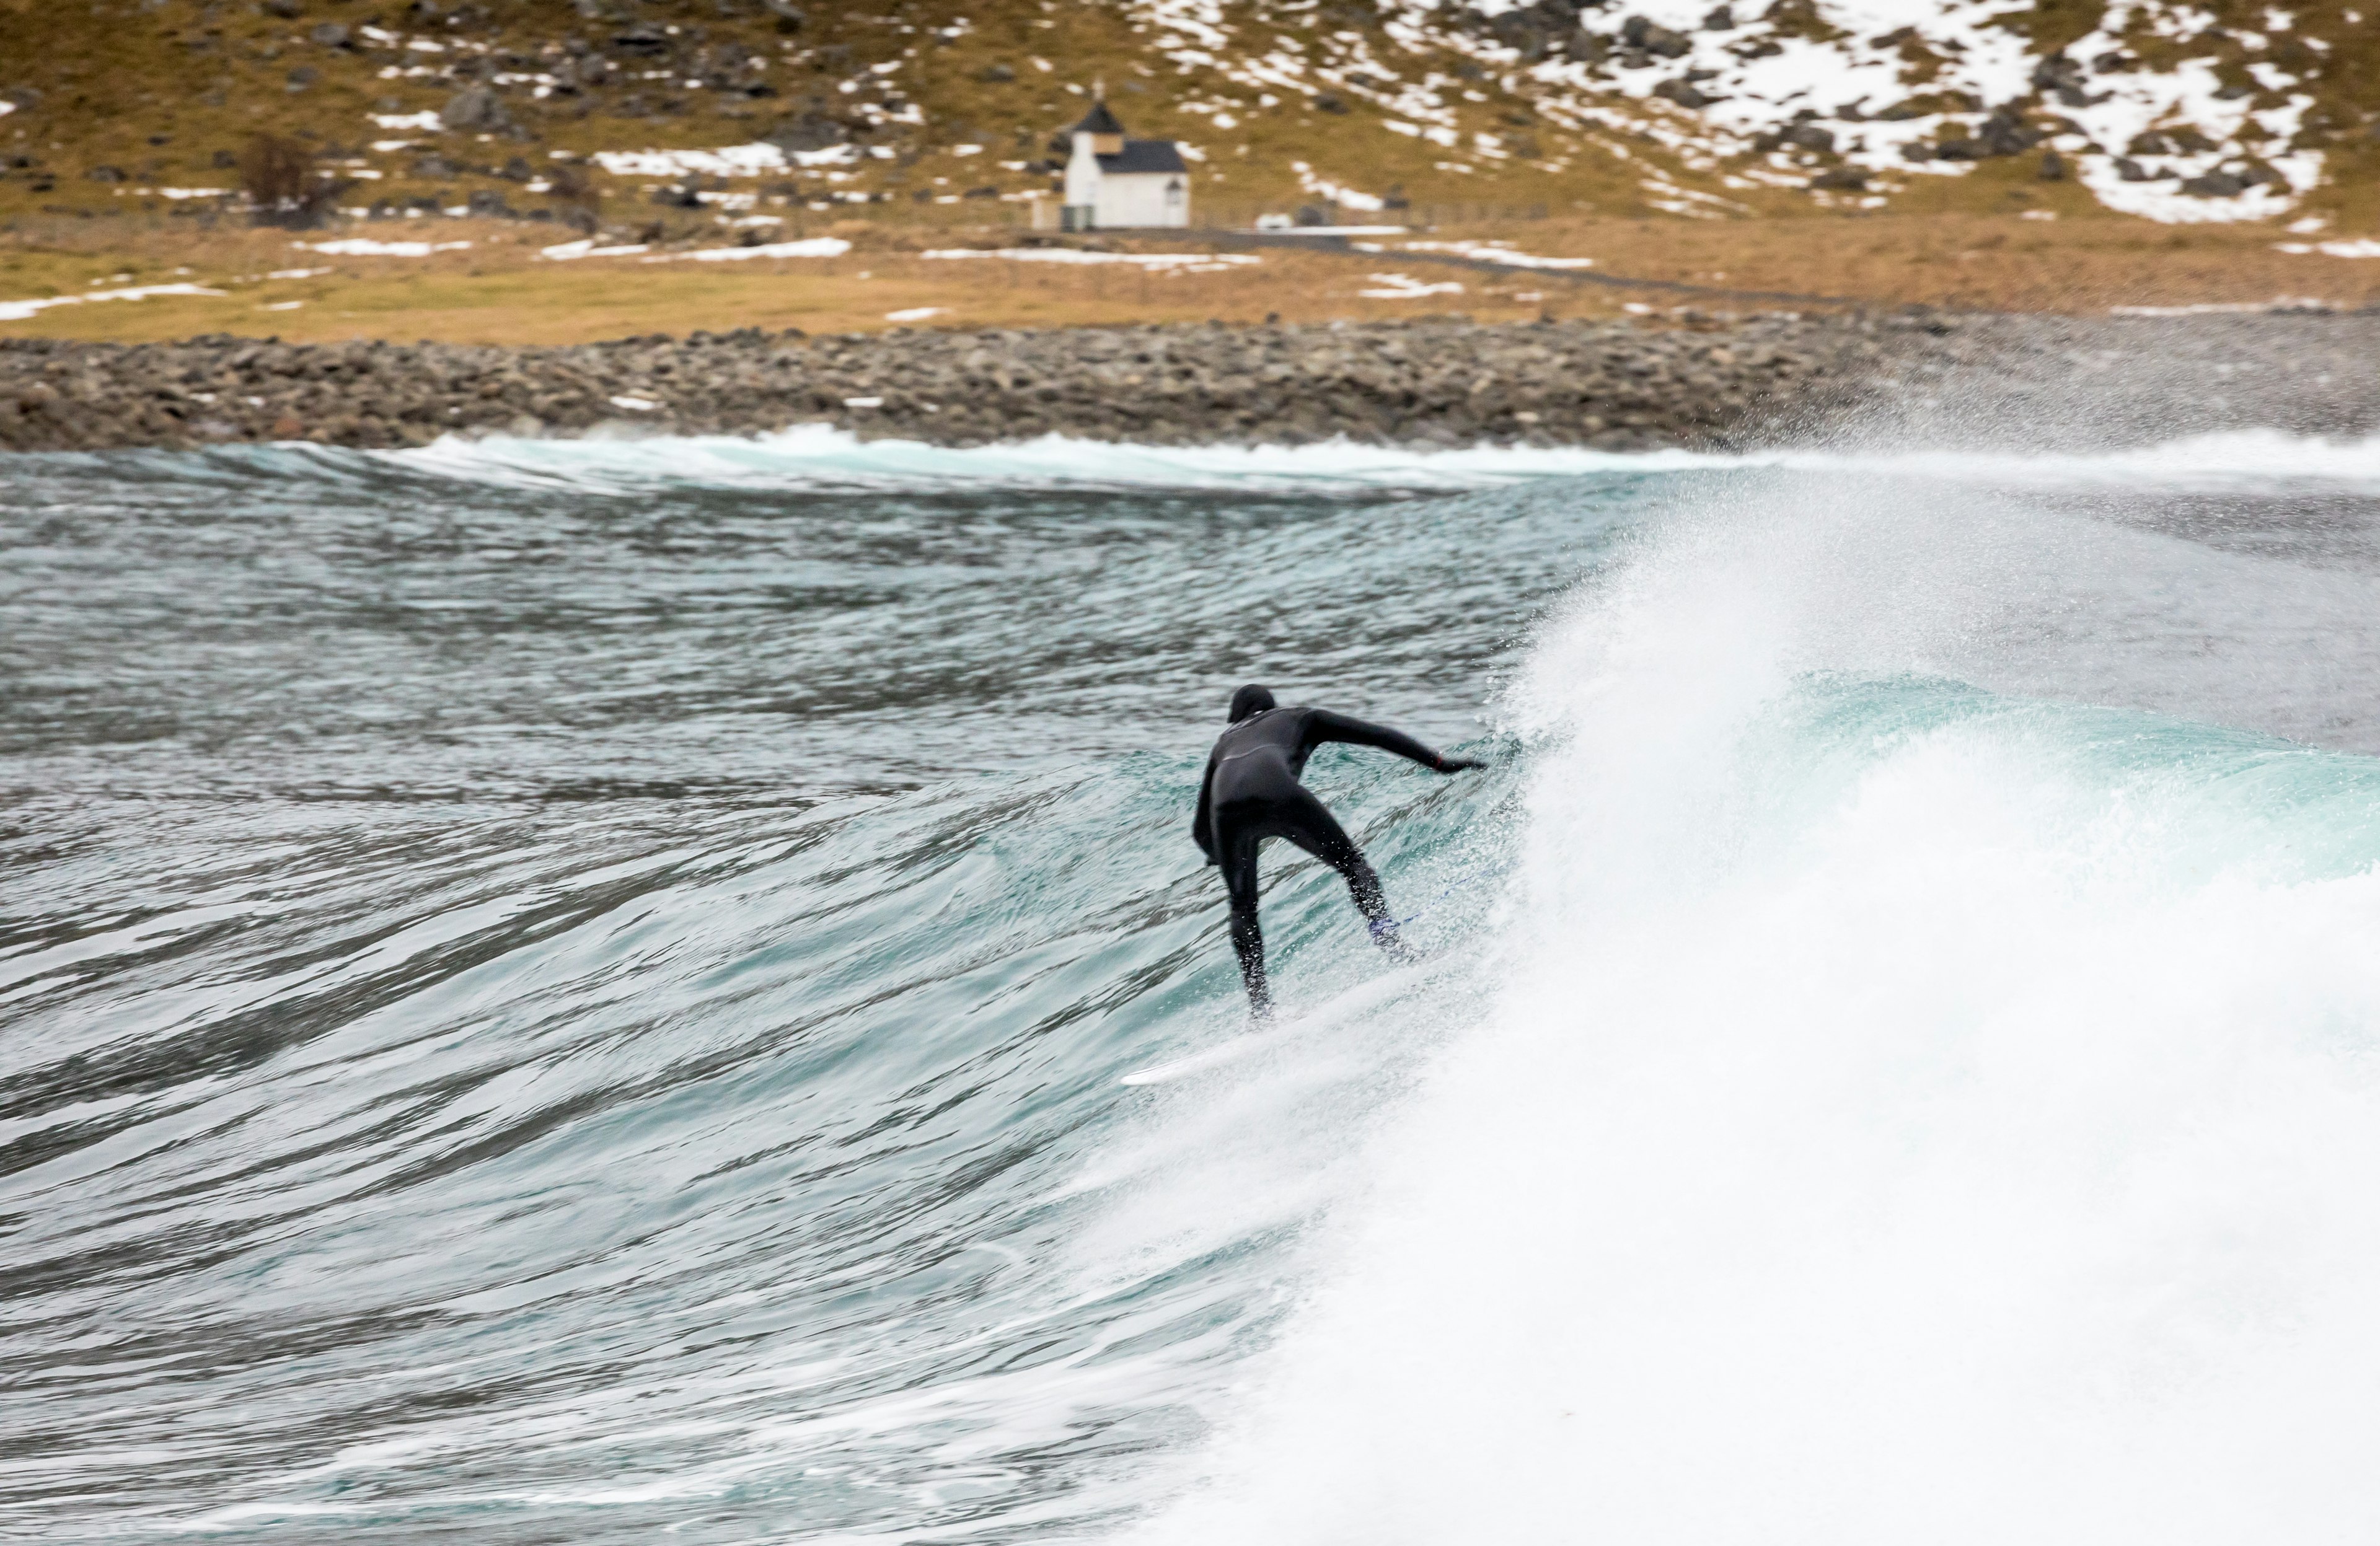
1456, 764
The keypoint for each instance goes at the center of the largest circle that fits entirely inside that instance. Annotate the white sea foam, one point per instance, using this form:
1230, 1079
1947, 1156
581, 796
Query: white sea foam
1954, 1129
2230, 460
820, 455
2216, 308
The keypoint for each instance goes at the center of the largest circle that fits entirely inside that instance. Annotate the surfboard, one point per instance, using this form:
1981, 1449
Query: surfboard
1330, 1012
1229, 1050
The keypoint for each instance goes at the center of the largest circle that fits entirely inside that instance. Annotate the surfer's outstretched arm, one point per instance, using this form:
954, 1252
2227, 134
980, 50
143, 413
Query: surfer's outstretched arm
1324, 725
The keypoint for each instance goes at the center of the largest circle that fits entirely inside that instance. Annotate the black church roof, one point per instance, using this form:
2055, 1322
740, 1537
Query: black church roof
1099, 120
1144, 155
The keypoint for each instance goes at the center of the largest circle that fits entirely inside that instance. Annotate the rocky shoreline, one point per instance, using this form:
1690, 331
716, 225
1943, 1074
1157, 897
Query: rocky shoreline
1611, 385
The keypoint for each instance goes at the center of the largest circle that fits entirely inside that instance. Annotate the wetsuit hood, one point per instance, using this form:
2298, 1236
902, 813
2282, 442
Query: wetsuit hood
1250, 699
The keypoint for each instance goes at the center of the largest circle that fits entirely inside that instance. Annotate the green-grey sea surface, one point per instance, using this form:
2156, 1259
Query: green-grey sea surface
580, 992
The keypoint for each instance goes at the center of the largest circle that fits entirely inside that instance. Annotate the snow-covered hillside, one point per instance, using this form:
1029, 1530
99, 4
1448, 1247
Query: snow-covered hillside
2161, 108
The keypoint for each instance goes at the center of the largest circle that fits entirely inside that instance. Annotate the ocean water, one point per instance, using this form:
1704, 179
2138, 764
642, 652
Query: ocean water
581, 992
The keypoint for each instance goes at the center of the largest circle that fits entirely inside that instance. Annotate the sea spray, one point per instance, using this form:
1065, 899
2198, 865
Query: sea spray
1907, 1112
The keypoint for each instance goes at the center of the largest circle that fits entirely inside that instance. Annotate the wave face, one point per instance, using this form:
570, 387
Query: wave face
571, 993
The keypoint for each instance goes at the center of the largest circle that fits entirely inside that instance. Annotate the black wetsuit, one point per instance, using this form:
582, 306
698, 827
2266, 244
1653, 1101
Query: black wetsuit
1251, 792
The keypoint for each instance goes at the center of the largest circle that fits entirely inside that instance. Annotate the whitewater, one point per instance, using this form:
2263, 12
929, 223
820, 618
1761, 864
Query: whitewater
583, 991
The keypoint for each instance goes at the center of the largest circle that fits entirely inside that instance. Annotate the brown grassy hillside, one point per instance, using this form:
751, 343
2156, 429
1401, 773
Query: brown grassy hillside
2221, 133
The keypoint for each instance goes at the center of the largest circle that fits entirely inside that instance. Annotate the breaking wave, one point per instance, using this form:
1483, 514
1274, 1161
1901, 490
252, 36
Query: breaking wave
818, 456
582, 990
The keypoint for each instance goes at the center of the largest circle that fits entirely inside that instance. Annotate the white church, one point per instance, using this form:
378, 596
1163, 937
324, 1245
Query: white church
1112, 181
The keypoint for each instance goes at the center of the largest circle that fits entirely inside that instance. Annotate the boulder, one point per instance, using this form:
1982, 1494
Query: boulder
475, 108
644, 42
581, 72
2062, 78
2054, 71
813, 130
1586, 45
1684, 93
1640, 32
2004, 134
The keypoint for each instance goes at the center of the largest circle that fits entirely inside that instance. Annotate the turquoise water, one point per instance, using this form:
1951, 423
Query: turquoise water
567, 992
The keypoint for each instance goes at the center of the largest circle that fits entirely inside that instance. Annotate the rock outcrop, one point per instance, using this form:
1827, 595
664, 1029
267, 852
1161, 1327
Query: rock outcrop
1617, 386
1430, 383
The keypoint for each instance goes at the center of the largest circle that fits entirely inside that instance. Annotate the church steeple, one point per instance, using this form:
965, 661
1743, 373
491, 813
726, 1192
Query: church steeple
1107, 134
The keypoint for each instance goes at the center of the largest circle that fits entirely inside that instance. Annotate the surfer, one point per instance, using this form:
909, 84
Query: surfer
1251, 792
